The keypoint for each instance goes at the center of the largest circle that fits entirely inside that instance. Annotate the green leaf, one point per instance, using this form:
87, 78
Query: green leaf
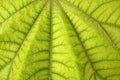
59, 40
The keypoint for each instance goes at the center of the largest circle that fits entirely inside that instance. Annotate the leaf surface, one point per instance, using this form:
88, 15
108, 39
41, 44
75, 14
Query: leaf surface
59, 40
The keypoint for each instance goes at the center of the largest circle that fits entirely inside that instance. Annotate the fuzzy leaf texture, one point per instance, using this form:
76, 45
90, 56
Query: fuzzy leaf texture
59, 39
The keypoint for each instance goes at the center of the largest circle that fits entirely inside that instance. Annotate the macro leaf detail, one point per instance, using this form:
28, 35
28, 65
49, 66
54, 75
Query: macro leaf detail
59, 40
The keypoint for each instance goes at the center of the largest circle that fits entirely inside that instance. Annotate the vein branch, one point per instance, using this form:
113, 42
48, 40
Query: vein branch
99, 25
22, 43
80, 43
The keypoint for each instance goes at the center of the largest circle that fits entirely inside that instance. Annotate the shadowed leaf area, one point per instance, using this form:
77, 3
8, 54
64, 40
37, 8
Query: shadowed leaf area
59, 39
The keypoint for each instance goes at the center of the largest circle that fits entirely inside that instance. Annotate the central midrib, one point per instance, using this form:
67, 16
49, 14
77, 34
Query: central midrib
51, 42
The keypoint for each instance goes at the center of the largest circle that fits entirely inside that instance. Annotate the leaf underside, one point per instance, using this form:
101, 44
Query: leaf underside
59, 39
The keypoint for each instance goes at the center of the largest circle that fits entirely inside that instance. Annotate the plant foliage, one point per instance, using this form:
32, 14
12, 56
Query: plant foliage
59, 39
